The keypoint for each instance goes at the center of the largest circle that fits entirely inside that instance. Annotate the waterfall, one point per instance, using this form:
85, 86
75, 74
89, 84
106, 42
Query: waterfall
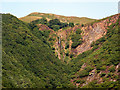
59, 40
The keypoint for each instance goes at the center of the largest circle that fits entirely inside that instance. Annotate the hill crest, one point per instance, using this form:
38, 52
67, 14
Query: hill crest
36, 15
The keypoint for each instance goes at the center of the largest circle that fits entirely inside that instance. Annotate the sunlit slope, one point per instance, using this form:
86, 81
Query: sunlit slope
36, 15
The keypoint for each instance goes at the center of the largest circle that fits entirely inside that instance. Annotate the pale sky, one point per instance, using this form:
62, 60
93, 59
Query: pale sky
60, 1
79, 8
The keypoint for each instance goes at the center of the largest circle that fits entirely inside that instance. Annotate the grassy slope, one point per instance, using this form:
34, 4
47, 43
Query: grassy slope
29, 18
36, 15
27, 60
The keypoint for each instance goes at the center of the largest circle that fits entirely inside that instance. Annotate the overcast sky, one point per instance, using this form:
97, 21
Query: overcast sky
79, 8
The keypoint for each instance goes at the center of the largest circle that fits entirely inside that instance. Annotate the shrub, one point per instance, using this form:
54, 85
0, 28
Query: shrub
107, 63
51, 39
102, 74
98, 71
98, 67
76, 40
102, 39
73, 76
77, 24
110, 74
94, 48
67, 54
78, 31
80, 81
40, 21
82, 25
71, 24
119, 69
89, 68
63, 25
75, 44
103, 68
74, 81
54, 22
71, 55
55, 27
67, 46
92, 44
112, 69
83, 73
53, 48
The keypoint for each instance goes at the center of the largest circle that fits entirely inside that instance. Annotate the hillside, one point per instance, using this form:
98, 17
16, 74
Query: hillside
100, 66
82, 46
72, 41
81, 56
36, 15
27, 60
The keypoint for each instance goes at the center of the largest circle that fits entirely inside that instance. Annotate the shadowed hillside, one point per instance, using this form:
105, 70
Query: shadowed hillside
27, 60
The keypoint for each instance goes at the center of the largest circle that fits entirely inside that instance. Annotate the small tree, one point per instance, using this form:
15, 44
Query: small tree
54, 22
82, 25
78, 31
71, 24
55, 27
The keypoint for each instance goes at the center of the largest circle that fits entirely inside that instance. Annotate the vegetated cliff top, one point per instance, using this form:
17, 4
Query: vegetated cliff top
49, 16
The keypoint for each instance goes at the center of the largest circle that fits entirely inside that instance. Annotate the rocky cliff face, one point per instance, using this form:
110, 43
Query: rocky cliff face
90, 32
94, 32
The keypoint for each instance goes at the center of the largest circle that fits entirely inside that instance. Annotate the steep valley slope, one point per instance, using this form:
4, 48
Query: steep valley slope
62, 41
27, 61
83, 56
